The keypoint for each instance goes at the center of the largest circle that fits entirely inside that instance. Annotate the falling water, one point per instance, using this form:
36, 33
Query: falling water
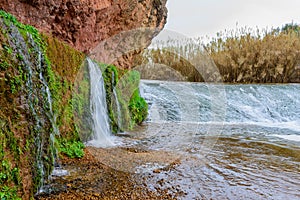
118, 111
38, 98
116, 105
102, 136
52, 117
261, 105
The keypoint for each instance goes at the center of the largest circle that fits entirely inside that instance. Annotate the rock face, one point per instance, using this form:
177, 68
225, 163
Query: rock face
85, 23
28, 119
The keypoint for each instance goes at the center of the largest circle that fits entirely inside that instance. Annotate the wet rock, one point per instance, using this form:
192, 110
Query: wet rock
92, 179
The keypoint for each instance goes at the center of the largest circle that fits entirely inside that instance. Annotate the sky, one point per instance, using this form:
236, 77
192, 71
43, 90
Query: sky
199, 18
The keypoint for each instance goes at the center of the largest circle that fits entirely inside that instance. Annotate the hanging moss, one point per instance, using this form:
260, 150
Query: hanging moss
21, 127
133, 109
10, 180
65, 65
25, 117
110, 75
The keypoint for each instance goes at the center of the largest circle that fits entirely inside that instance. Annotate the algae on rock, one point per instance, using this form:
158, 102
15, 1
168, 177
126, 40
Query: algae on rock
126, 107
33, 105
38, 106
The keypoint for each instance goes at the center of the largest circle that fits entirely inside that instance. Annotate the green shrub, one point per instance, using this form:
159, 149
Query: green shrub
72, 149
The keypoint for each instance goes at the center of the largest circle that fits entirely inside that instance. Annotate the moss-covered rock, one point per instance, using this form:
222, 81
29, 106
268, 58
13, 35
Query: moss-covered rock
126, 107
25, 114
35, 105
39, 108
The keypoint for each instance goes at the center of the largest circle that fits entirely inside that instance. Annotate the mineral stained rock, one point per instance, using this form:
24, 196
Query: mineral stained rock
86, 23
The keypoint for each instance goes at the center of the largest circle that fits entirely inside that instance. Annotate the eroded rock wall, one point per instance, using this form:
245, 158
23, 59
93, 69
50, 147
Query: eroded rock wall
85, 23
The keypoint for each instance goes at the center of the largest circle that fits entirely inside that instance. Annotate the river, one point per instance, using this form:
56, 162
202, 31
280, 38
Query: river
206, 141
248, 146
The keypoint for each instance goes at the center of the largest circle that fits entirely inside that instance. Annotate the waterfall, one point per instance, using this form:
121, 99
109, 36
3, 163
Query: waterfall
102, 136
276, 106
116, 105
118, 111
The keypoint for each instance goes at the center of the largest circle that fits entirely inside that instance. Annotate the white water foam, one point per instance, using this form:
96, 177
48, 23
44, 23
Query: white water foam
59, 172
289, 137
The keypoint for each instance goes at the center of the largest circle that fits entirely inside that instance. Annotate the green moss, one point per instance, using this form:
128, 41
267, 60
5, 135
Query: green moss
8, 193
110, 76
24, 29
13, 144
65, 65
7, 49
15, 83
71, 148
60, 64
138, 108
133, 109
61, 67
10, 179
81, 104
9, 176
65, 60
4, 65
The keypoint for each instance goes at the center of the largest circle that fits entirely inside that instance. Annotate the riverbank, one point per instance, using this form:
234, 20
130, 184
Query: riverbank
241, 164
253, 153
94, 177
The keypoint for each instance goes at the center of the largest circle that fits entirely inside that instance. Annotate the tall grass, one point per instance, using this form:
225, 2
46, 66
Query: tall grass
240, 56
269, 57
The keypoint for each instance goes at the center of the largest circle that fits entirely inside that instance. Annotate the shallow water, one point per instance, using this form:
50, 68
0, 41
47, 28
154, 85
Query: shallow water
204, 141
249, 150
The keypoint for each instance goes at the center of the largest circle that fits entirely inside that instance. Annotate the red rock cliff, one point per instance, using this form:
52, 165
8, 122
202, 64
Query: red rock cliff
85, 23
